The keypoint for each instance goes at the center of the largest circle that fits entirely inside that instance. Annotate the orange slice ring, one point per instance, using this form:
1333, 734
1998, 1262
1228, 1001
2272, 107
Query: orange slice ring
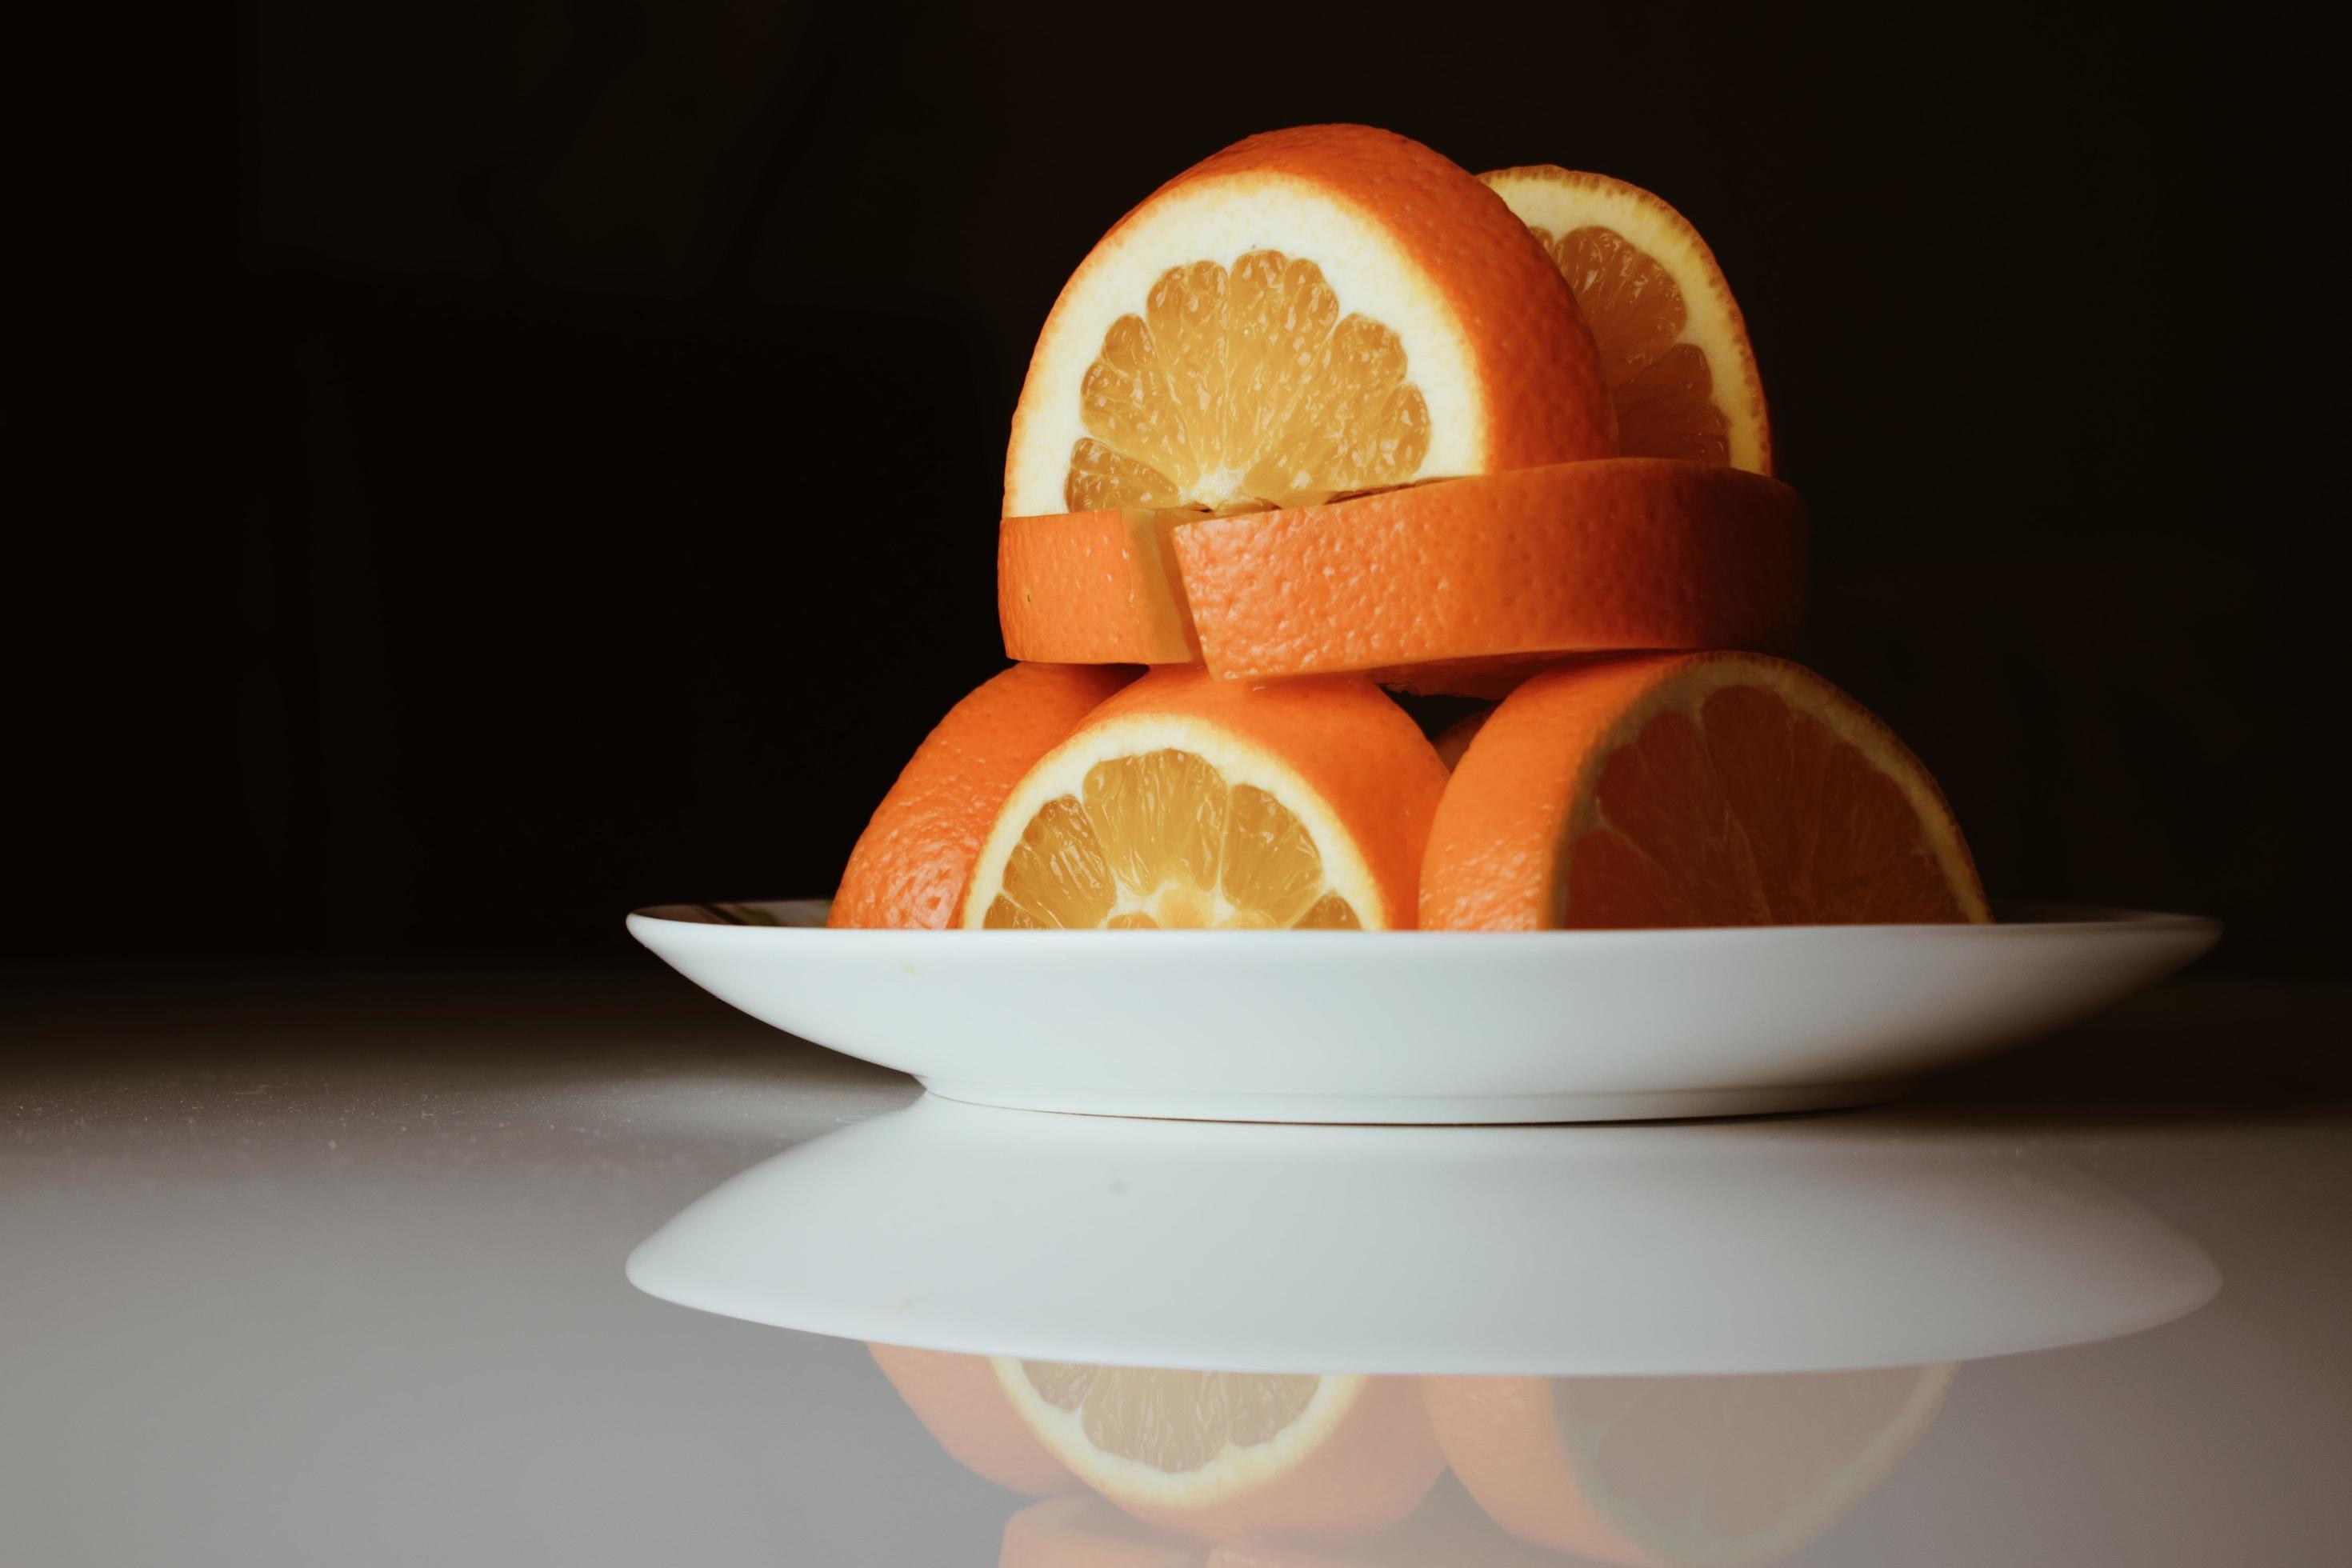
1432, 585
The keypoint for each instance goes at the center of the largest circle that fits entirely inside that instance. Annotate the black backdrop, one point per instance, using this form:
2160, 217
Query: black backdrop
612, 460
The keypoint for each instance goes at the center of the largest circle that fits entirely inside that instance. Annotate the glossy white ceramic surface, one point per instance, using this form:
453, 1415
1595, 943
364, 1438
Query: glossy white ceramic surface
1418, 1026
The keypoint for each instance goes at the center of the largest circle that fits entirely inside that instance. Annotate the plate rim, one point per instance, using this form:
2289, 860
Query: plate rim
2053, 919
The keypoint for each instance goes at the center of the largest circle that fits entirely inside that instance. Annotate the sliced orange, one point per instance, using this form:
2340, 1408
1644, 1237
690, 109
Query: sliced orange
1186, 801
1716, 789
1680, 1472
1628, 552
1674, 347
910, 864
1308, 313
960, 1402
1094, 587
1229, 1455
1088, 1532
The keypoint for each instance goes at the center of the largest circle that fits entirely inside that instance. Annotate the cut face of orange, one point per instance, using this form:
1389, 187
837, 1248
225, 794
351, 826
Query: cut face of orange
1691, 790
1674, 347
959, 1401
910, 864
1680, 1472
1193, 801
1232, 1454
1308, 313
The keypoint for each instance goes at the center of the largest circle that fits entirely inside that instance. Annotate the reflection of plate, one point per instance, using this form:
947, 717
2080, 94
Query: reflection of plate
1775, 1246
1417, 1025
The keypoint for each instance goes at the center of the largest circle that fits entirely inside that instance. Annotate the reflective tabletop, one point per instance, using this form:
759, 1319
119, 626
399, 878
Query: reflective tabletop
524, 1266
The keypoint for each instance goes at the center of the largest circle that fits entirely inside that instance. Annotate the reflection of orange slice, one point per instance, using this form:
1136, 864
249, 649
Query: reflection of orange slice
1191, 801
1691, 790
1088, 1532
1635, 553
1309, 313
959, 1401
1674, 348
910, 865
1233, 1455
1680, 1472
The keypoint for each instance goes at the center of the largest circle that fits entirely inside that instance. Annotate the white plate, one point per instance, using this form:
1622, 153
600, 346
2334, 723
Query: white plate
1789, 1245
1418, 1026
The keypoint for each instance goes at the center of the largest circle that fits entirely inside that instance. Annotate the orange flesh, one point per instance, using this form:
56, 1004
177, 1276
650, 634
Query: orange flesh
1161, 840
1750, 813
1240, 391
1664, 389
1171, 1421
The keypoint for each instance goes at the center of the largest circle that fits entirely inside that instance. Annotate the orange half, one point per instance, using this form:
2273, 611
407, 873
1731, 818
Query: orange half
1310, 312
1716, 789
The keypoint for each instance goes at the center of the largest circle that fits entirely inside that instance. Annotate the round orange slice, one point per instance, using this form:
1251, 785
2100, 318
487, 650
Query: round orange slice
1628, 552
1233, 1455
960, 1402
1715, 789
1674, 347
1187, 801
910, 865
1680, 1472
1308, 313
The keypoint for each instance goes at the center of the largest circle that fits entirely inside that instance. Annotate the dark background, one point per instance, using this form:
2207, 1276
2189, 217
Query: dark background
604, 465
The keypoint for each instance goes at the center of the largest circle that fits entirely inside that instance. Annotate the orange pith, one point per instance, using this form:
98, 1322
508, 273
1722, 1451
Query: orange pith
909, 865
1674, 348
1310, 312
1691, 790
1245, 389
1196, 803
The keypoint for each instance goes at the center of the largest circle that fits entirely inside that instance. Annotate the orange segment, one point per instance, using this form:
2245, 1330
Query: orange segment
1193, 802
1094, 587
1691, 790
1674, 346
1228, 1454
1630, 552
1680, 1472
959, 1401
910, 865
1308, 313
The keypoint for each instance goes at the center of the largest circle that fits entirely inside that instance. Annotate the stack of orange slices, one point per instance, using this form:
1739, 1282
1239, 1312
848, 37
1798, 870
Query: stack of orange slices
1327, 416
